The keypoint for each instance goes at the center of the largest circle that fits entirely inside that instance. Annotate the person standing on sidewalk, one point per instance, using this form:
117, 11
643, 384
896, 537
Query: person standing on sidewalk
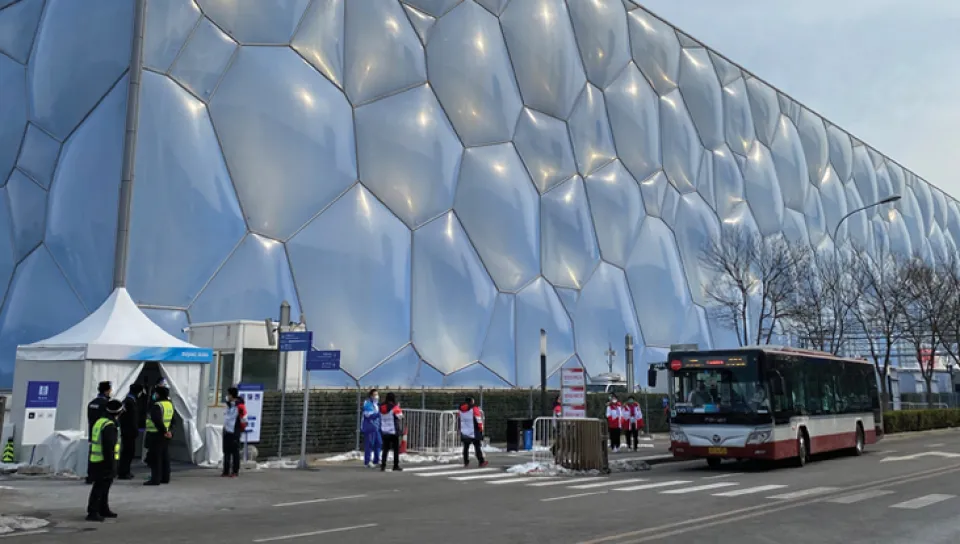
633, 418
96, 410
234, 425
370, 427
614, 422
471, 431
104, 454
391, 428
129, 431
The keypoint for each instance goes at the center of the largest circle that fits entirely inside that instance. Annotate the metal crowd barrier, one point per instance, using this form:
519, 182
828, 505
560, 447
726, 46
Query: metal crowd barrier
431, 431
572, 443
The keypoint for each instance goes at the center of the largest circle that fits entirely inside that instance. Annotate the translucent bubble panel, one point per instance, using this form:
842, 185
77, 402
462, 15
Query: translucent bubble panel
287, 135
603, 318
203, 60
795, 228
28, 208
701, 91
726, 70
953, 220
434, 8
500, 210
884, 185
671, 200
910, 209
939, 206
82, 218
408, 154
841, 152
7, 258
737, 117
569, 299
539, 308
18, 25
790, 164
727, 183
495, 7
172, 321
813, 138
570, 250
696, 228
320, 38
654, 189
453, 296
633, 109
474, 376
705, 185
405, 369
383, 53
659, 294
590, 131
168, 25
13, 112
471, 73
856, 225
865, 178
655, 50
603, 38
81, 50
544, 54
248, 285
763, 190
681, 145
365, 287
254, 21
925, 201
40, 304
184, 207
898, 185
834, 200
544, 146
617, 210
38, 156
421, 22
765, 109
815, 217
500, 347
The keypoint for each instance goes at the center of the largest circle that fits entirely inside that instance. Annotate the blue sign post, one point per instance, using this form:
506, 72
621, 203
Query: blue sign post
323, 360
296, 341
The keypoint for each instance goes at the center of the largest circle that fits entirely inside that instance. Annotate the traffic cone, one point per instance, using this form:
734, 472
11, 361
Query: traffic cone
403, 443
8, 455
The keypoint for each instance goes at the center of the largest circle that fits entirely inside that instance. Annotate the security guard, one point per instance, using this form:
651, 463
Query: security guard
95, 410
159, 433
104, 453
129, 430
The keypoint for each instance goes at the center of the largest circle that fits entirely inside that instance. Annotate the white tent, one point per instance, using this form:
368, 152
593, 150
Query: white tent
112, 343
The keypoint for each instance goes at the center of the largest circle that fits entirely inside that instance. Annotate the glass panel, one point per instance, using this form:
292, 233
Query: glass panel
721, 391
260, 366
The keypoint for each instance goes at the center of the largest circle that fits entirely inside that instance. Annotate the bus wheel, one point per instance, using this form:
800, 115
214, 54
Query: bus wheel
858, 448
713, 462
801, 450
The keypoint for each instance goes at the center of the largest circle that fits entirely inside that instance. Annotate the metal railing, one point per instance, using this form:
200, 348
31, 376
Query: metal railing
572, 443
431, 431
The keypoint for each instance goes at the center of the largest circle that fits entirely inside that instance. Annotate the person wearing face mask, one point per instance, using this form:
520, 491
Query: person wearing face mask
614, 422
234, 425
370, 427
129, 431
95, 410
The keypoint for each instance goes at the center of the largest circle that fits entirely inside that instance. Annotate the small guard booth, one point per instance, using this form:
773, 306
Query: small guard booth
116, 343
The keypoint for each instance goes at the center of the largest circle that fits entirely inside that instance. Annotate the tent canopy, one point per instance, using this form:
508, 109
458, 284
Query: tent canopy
117, 331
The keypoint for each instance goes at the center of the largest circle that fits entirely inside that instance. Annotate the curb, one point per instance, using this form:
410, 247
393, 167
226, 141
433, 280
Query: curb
894, 437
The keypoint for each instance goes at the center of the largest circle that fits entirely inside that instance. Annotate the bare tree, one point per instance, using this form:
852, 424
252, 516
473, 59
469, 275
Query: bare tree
923, 314
820, 312
950, 338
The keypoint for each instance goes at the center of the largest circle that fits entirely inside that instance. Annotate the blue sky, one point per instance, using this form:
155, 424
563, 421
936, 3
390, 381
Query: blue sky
885, 70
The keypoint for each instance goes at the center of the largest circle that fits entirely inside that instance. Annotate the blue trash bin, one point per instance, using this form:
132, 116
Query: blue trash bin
528, 439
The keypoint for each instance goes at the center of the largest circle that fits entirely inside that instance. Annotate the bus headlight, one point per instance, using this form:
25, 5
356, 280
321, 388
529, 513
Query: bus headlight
678, 436
759, 437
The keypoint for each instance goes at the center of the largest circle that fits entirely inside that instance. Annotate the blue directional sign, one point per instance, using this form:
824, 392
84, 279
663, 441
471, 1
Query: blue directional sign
323, 360
296, 341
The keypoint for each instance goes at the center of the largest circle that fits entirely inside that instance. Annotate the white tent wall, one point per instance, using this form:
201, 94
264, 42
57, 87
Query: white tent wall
184, 381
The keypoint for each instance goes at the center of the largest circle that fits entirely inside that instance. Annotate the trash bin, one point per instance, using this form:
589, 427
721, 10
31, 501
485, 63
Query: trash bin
516, 434
528, 439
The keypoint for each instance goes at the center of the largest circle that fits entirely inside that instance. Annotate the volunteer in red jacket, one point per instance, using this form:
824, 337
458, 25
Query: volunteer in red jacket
633, 418
614, 422
391, 427
471, 431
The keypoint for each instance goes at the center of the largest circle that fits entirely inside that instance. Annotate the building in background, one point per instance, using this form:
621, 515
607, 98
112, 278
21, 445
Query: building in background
430, 182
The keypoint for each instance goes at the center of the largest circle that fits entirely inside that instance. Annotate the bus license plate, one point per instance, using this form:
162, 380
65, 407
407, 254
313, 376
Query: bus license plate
716, 451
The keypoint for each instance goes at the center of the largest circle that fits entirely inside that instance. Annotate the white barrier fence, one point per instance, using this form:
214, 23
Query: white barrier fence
576, 443
431, 431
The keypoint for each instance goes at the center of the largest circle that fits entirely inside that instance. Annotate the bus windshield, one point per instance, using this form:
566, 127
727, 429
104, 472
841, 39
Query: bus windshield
736, 390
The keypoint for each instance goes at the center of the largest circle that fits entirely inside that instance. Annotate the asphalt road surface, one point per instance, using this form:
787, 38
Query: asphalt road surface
904, 490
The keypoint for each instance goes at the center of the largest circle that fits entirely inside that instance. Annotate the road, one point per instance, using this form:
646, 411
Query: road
903, 490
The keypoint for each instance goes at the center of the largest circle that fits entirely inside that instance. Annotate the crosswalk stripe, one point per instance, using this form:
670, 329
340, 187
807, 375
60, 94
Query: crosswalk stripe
804, 493
652, 486
425, 469
499, 475
608, 483
748, 491
578, 495
525, 480
920, 502
563, 481
456, 472
696, 488
718, 476
857, 497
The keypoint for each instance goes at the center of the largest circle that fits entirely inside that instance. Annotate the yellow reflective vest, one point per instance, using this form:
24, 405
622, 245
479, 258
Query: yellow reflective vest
167, 416
96, 447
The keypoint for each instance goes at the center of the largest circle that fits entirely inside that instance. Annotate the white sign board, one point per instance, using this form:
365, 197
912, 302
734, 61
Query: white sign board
573, 392
40, 412
252, 395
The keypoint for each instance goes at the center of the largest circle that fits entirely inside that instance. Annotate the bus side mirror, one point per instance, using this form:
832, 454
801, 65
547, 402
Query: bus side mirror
651, 377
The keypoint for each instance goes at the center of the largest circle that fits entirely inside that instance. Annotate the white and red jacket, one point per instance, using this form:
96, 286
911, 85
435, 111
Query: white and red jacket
471, 422
632, 416
614, 415
391, 419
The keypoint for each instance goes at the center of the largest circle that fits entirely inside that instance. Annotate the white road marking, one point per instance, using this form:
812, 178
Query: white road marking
653, 485
608, 483
500, 475
425, 469
25, 533
456, 472
563, 481
804, 493
551, 499
696, 488
718, 476
920, 502
525, 480
937, 445
857, 497
748, 491
922, 454
315, 501
315, 533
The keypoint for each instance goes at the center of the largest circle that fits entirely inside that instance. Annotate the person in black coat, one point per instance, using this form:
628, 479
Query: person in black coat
95, 410
104, 450
129, 431
159, 433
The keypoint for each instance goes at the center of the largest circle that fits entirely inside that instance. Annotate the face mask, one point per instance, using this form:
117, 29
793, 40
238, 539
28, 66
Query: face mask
376, 398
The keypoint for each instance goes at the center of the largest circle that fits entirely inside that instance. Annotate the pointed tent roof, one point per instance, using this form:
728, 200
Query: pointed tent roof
117, 330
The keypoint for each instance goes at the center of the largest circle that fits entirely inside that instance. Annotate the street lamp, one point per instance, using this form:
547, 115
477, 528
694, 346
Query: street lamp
888, 200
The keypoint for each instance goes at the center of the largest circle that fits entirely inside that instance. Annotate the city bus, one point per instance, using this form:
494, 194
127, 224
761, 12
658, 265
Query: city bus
769, 403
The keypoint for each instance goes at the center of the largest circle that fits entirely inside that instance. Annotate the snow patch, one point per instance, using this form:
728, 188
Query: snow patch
279, 464
551, 469
406, 458
9, 524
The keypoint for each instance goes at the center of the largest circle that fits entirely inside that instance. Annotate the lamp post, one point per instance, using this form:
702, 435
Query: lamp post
888, 200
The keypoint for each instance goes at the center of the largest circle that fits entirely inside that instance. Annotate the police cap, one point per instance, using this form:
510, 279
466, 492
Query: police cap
114, 406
